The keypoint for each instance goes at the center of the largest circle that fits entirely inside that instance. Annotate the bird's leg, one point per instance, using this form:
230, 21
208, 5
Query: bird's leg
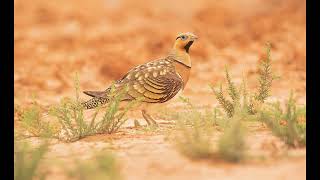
136, 123
148, 118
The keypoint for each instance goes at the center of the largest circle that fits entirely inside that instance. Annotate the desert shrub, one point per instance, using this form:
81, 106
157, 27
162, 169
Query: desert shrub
194, 140
239, 105
29, 164
31, 120
250, 102
103, 166
27, 161
193, 130
288, 123
72, 124
208, 117
193, 137
283, 123
231, 145
71, 118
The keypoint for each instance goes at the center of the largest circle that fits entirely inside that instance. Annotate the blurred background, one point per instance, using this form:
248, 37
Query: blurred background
103, 39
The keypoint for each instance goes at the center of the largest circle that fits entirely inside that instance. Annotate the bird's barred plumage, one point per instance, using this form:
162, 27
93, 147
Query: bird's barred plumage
154, 82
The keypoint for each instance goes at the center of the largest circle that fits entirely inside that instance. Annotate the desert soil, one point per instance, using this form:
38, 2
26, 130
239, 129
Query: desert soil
102, 40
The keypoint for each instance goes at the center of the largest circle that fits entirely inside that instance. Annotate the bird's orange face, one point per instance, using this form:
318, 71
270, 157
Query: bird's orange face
184, 41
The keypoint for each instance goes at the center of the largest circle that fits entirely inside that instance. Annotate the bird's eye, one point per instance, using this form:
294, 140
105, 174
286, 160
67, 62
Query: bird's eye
183, 37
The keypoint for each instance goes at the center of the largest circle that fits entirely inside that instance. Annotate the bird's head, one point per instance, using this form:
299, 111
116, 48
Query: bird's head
184, 41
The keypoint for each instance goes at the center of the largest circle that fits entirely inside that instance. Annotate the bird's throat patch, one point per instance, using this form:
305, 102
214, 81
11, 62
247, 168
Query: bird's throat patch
186, 47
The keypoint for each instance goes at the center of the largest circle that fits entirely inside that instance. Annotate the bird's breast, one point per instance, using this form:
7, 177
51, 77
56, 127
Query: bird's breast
183, 71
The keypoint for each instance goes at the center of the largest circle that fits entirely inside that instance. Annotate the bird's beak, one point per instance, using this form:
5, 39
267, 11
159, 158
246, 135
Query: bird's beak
193, 38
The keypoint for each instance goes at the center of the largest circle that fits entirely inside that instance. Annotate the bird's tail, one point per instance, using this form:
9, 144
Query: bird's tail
95, 102
98, 98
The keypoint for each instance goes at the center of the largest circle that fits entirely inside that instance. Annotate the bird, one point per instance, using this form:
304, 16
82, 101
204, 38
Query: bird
154, 82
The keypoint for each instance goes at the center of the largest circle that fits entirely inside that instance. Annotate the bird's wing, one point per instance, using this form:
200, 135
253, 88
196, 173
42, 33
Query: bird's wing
155, 82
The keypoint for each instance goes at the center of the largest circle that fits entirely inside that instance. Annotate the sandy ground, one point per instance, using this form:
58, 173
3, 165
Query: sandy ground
102, 40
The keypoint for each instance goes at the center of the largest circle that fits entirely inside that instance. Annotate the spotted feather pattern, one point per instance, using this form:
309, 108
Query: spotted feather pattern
95, 102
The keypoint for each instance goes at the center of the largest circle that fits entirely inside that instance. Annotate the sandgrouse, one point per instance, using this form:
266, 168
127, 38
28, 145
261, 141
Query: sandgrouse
156, 82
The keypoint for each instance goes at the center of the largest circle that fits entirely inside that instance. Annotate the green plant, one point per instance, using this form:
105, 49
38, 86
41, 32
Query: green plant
70, 115
103, 166
27, 161
208, 117
288, 124
194, 140
31, 120
29, 164
239, 95
241, 105
225, 103
72, 124
231, 145
192, 137
265, 78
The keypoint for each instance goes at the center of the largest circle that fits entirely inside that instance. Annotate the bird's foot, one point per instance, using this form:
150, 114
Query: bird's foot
150, 121
136, 123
